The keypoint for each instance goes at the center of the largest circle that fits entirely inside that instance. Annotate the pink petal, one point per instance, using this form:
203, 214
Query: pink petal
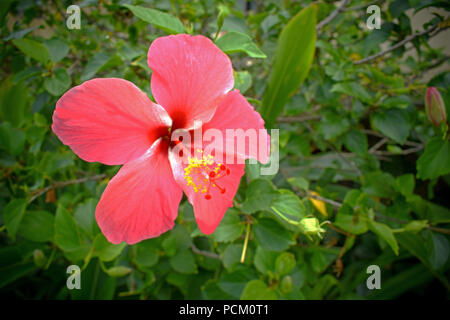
141, 201
190, 76
208, 212
108, 120
234, 112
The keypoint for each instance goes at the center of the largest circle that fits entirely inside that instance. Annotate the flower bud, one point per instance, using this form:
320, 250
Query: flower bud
39, 258
118, 271
435, 106
311, 226
286, 285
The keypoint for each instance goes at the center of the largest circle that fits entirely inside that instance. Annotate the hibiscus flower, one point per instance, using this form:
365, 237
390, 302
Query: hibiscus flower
113, 122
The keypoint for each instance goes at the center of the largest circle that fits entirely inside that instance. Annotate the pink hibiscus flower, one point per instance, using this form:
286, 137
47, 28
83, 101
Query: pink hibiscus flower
111, 121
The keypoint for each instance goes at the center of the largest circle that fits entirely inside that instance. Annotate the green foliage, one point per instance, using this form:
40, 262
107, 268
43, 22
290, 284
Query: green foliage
293, 58
364, 175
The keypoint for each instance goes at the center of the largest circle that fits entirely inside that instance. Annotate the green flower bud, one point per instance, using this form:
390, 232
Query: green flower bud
311, 226
118, 271
224, 12
435, 106
286, 285
39, 258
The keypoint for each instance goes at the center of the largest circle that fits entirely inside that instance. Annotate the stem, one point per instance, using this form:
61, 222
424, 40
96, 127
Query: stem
50, 259
244, 250
296, 223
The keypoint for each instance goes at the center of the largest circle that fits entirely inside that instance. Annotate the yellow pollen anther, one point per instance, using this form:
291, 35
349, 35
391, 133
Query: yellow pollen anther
201, 173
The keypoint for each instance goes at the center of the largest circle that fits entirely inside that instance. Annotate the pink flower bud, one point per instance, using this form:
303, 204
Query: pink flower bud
435, 106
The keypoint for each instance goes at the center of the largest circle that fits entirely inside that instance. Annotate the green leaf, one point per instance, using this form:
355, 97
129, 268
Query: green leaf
67, 236
293, 58
392, 123
100, 61
348, 221
57, 49
159, 19
288, 203
85, 217
285, 263
322, 258
384, 232
233, 41
356, 141
259, 196
401, 102
353, 89
58, 83
13, 214
11, 139
19, 34
272, 236
435, 160
333, 125
147, 253
37, 226
405, 184
11, 273
242, 80
230, 228
258, 290
33, 49
232, 256
13, 101
94, 65
234, 282
379, 184
264, 261
299, 182
105, 250
183, 262
211, 291
415, 276
95, 284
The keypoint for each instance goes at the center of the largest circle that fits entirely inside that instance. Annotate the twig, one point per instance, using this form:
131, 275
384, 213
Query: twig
332, 15
332, 226
318, 167
398, 45
428, 68
329, 201
378, 145
357, 8
337, 204
348, 161
380, 135
403, 152
204, 253
60, 184
296, 119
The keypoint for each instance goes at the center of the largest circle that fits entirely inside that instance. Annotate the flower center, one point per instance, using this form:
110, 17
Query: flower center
203, 174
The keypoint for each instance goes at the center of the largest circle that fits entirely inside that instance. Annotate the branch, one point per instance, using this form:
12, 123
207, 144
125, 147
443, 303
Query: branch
295, 119
357, 8
60, 184
403, 152
337, 205
398, 45
204, 253
332, 15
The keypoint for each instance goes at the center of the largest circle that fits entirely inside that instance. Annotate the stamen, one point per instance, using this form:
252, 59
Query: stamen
203, 173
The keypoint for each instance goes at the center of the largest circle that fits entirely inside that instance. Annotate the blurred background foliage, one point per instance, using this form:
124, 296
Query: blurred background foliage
358, 154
